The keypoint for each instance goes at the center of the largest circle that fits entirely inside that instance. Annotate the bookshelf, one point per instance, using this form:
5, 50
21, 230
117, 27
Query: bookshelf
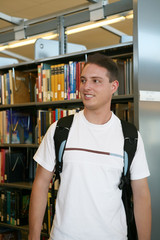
122, 104
146, 52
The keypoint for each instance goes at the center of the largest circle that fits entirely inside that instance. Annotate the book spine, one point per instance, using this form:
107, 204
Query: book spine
8, 89
62, 81
3, 89
49, 212
8, 206
56, 83
4, 206
65, 82
11, 87
39, 86
48, 75
71, 79
0, 89
52, 83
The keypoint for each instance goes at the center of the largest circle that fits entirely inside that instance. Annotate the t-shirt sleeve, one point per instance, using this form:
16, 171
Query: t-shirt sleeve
139, 167
45, 154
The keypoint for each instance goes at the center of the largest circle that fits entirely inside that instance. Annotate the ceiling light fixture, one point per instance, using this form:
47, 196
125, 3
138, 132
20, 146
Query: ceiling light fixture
25, 42
50, 35
95, 25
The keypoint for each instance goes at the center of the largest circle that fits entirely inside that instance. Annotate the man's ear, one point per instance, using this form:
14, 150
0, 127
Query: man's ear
115, 85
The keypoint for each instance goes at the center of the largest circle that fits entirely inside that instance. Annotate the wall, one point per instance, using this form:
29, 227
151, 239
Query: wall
147, 78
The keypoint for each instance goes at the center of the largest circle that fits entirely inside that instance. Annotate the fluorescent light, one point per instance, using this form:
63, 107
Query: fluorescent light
51, 36
26, 41
3, 48
22, 43
130, 16
95, 25
81, 28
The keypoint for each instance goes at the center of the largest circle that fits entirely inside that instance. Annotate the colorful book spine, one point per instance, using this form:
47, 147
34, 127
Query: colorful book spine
39, 84
52, 82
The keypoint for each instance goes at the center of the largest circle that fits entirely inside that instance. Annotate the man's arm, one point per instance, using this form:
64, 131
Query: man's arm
38, 202
142, 208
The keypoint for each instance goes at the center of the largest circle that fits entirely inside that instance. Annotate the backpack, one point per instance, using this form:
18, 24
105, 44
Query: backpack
130, 146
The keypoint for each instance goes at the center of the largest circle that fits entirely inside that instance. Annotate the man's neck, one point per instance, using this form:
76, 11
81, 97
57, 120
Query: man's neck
97, 117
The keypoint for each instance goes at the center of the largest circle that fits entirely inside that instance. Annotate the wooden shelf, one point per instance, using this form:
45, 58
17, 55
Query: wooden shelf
55, 104
17, 185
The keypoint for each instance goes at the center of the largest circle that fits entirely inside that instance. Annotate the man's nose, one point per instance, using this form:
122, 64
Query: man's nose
87, 85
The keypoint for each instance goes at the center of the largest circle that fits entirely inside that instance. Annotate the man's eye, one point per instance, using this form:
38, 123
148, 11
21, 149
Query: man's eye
83, 80
96, 81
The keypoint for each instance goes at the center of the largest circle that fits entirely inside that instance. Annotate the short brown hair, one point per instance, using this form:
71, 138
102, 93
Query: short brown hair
105, 62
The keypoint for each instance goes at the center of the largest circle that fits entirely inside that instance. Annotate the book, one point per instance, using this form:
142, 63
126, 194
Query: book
14, 167
5, 131
3, 163
72, 80
43, 122
56, 82
13, 208
21, 126
45, 86
32, 86
61, 81
22, 198
31, 165
52, 82
66, 81
8, 93
0, 89
124, 111
39, 84
3, 95
11, 87
48, 76
3, 206
49, 212
45, 221
8, 206
121, 76
46, 83
20, 81
8, 234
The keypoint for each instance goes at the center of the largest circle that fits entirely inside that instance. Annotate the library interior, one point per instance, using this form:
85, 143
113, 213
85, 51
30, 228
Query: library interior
43, 48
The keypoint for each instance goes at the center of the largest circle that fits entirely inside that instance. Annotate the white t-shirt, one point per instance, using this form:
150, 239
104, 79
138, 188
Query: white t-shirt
89, 205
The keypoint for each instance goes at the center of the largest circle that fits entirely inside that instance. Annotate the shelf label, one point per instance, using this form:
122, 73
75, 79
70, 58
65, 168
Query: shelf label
153, 96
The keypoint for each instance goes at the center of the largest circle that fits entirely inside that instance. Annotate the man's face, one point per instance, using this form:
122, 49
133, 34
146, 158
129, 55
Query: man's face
95, 88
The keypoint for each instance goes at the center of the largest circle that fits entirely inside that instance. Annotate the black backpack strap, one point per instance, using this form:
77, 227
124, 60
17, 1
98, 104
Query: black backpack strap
60, 139
130, 145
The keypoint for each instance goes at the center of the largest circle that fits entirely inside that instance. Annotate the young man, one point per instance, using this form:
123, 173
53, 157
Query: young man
89, 204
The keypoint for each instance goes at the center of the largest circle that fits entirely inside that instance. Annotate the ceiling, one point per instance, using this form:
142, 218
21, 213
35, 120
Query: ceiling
32, 9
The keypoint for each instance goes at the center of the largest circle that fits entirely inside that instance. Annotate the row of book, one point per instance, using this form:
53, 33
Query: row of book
125, 76
49, 214
46, 117
17, 87
14, 206
62, 81
124, 111
9, 234
48, 83
15, 127
16, 166
55, 82
58, 82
